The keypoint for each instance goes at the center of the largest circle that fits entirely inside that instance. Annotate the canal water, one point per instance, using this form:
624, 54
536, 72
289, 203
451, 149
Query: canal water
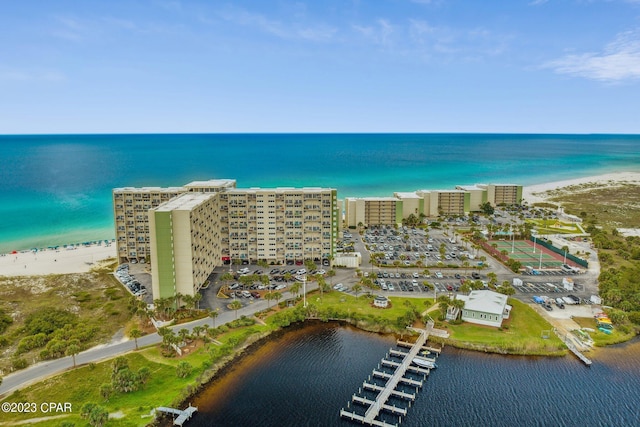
303, 377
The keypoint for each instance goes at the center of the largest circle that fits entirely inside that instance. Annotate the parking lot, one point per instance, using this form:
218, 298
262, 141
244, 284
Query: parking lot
412, 262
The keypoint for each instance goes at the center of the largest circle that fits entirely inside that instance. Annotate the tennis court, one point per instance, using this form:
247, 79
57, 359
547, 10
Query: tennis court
523, 251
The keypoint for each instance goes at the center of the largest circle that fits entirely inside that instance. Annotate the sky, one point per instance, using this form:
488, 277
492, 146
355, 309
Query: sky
208, 66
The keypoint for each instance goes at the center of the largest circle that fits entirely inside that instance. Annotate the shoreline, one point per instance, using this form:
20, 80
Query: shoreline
60, 260
534, 193
68, 260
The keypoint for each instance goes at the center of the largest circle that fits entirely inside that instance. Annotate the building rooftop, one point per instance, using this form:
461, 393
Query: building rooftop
148, 189
475, 187
406, 195
484, 301
184, 202
374, 199
212, 183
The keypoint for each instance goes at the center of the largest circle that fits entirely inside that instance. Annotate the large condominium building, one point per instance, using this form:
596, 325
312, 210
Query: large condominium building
207, 223
131, 206
445, 202
372, 211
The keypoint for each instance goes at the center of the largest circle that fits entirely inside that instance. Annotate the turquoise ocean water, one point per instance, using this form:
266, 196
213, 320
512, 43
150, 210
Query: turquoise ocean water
56, 189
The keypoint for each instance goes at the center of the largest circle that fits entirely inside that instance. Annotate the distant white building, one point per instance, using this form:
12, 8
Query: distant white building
485, 307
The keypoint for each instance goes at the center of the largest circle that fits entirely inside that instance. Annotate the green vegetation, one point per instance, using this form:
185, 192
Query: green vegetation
131, 386
40, 317
606, 209
521, 334
554, 226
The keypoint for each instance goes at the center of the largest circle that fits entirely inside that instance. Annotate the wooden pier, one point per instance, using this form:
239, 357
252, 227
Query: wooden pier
392, 381
182, 415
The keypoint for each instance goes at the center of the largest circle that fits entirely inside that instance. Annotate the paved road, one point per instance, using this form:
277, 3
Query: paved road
49, 368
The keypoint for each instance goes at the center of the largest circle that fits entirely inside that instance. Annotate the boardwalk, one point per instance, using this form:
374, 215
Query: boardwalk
183, 415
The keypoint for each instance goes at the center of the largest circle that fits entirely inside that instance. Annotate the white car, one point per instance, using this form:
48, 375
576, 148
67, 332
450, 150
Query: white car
439, 275
302, 271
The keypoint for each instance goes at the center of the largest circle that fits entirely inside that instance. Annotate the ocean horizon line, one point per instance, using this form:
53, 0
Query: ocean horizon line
308, 133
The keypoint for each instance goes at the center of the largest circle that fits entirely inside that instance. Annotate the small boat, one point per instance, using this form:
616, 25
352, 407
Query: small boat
424, 363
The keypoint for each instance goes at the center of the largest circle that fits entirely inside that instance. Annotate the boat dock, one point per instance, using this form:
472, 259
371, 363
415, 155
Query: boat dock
573, 348
577, 352
182, 415
370, 417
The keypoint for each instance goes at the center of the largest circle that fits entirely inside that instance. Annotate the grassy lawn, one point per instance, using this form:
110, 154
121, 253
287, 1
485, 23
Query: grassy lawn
363, 304
553, 226
521, 334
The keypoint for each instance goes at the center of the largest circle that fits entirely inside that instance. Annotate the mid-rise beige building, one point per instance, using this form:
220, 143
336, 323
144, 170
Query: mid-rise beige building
504, 194
369, 211
445, 202
477, 196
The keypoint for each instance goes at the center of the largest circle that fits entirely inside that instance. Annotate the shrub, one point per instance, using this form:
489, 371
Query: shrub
48, 320
183, 369
19, 363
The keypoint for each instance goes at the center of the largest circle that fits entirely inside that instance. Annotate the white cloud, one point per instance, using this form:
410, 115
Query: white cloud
537, 2
379, 33
284, 30
619, 60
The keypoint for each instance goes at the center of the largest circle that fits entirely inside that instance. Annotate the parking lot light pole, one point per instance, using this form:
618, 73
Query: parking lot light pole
304, 290
540, 265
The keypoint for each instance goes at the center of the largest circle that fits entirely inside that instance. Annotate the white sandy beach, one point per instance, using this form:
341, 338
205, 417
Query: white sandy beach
533, 193
54, 261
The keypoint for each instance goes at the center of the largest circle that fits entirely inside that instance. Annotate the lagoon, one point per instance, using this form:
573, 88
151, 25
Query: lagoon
304, 375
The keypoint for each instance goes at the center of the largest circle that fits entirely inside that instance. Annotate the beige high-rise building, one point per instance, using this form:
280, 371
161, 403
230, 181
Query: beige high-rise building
130, 213
185, 243
185, 232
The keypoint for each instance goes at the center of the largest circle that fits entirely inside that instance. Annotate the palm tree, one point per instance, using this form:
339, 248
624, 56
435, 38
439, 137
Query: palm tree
135, 333
213, 314
322, 284
197, 330
235, 305
331, 274
277, 296
196, 301
72, 349
183, 334
459, 304
295, 288
443, 302
357, 288
269, 297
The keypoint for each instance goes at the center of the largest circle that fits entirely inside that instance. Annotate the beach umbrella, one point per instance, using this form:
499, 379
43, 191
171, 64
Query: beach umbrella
14, 252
